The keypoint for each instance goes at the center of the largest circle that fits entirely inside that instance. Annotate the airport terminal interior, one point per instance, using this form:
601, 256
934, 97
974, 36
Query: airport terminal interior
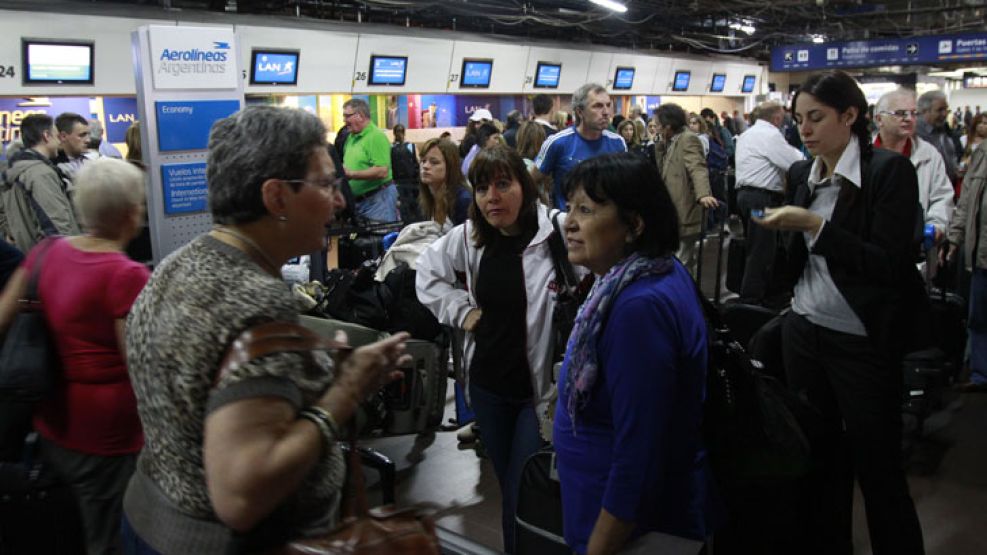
613, 276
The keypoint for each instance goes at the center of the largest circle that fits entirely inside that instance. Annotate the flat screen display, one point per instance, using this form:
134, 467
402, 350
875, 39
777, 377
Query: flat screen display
57, 62
476, 73
719, 81
388, 70
623, 79
547, 75
749, 81
681, 82
274, 67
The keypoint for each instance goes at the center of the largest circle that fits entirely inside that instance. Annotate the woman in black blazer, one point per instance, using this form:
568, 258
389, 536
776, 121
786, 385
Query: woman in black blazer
858, 297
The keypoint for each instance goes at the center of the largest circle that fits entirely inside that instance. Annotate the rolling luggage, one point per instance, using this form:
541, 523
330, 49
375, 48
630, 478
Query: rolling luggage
744, 320
416, 402
538, 519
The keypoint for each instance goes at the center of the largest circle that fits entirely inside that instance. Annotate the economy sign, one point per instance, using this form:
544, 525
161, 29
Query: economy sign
917, 50
193, 58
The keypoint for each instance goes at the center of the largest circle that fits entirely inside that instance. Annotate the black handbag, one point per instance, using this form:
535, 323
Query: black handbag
570, 293
29, 362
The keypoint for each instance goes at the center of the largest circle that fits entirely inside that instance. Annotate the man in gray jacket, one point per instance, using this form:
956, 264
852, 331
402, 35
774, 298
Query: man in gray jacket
34, 190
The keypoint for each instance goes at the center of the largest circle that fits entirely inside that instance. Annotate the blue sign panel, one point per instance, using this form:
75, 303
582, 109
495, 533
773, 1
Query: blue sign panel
917, 50
719, 81
185, 125
624, 78
681, 81
120, 113
748, 86
277, 68
476, 73
14, 110
185, 188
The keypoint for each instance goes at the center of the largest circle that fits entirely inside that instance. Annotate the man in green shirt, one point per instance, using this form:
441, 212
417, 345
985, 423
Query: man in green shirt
367, 163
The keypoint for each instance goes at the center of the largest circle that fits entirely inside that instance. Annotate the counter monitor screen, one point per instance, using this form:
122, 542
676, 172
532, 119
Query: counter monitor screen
274, 67
547, 75
719, 81
749, 81
624, 78
388, 70
49, 62
476, 74
681, 82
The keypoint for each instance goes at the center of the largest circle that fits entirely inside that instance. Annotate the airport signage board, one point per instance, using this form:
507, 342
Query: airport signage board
185, 188
185, 124
926, 50
120, 113
193, 58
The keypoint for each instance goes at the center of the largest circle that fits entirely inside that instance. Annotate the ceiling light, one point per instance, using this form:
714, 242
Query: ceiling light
610, 5
745, 26
818, 39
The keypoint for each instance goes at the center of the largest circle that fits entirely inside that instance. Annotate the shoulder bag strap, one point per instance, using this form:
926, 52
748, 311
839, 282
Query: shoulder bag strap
31, 296
47, 227
560, 257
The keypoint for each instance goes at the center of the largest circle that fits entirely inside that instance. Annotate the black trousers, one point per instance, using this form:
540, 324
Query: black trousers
858, 391
762, 243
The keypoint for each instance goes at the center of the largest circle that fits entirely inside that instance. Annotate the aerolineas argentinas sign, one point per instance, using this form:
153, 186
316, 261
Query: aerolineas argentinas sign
193, 58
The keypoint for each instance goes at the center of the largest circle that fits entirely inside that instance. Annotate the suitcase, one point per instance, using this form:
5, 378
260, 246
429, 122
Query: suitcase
416, 402
538, 519
38, 515
744, 320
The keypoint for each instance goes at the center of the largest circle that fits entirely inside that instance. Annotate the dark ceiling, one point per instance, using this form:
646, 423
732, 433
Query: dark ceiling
699, 26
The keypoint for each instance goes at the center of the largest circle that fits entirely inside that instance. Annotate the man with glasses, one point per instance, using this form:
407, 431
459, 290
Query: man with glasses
931, 126
367, 163
896, 119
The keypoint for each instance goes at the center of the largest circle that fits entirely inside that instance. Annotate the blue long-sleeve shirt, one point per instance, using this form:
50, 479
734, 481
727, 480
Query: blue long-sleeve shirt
637, 449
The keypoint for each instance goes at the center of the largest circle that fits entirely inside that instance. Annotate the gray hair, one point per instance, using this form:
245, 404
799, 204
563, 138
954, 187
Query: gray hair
95, 128
580, 98
13, 147
251, 146
925, 101
886, 98
107, 191
358, 104
767, 109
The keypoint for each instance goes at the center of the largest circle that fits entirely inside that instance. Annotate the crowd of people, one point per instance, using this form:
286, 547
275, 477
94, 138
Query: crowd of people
168, 454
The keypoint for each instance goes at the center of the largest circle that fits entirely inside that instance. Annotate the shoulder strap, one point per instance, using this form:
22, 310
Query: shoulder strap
560, 257
31, 296
47, 227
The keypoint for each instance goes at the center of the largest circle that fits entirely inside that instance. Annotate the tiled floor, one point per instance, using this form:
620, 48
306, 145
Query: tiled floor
947, 475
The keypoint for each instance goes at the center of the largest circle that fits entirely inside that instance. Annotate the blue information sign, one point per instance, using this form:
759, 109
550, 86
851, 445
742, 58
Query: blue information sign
185, 188
624, 78
388, 70
476, 73
916, 50
681, 81
185, 124
547, 75
120, 113
275, 68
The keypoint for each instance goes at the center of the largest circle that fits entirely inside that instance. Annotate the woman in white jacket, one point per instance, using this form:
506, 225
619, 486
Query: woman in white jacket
493, 277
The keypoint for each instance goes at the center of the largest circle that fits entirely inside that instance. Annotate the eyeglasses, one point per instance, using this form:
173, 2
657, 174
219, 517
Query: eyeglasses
902, 114
349, 115
331, 185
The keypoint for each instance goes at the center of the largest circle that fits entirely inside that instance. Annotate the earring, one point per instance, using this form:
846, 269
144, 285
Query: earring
282, 218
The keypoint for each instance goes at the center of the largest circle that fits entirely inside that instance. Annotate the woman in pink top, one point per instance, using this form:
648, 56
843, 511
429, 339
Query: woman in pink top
89, 426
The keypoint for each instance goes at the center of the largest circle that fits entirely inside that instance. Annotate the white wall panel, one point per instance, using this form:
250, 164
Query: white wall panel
599, 68
325, 63
428, 63
575, 67
507, 75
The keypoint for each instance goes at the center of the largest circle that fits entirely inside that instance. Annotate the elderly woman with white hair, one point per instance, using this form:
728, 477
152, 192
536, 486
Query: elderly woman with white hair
89, 428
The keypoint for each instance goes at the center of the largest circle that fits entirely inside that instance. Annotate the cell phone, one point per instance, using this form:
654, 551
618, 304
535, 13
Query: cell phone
757, 212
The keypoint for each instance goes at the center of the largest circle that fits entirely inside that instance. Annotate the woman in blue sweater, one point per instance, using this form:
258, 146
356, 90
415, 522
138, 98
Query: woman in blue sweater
627, 427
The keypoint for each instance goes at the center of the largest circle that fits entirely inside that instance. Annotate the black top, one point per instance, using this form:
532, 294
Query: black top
10, 259
500, 362
868, 247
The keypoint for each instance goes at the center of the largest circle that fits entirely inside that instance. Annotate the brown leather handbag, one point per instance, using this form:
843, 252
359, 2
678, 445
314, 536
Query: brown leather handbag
378, 531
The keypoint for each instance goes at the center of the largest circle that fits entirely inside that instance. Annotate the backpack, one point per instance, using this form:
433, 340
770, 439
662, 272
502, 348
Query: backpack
404, 166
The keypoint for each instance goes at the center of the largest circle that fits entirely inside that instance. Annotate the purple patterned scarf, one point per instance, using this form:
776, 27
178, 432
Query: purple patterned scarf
582, 358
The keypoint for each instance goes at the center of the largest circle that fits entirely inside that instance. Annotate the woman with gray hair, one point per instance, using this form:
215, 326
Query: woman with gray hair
248, 459
89, 428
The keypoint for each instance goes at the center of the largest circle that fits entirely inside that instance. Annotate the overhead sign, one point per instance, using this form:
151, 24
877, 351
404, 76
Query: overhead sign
185, 188
185, 125
916, 50
193, 58
120, 113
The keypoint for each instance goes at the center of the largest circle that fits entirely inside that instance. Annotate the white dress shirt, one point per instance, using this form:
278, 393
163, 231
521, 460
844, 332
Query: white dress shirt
763, 157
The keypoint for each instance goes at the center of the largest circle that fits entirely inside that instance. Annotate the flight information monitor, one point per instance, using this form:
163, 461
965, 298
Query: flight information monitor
681, 82
547, 75
48, 62
274, 67
749, 81
388, 70
623, 79
476, 73
719, 81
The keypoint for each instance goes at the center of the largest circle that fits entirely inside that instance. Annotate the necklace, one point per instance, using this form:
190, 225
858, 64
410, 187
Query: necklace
273, 268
